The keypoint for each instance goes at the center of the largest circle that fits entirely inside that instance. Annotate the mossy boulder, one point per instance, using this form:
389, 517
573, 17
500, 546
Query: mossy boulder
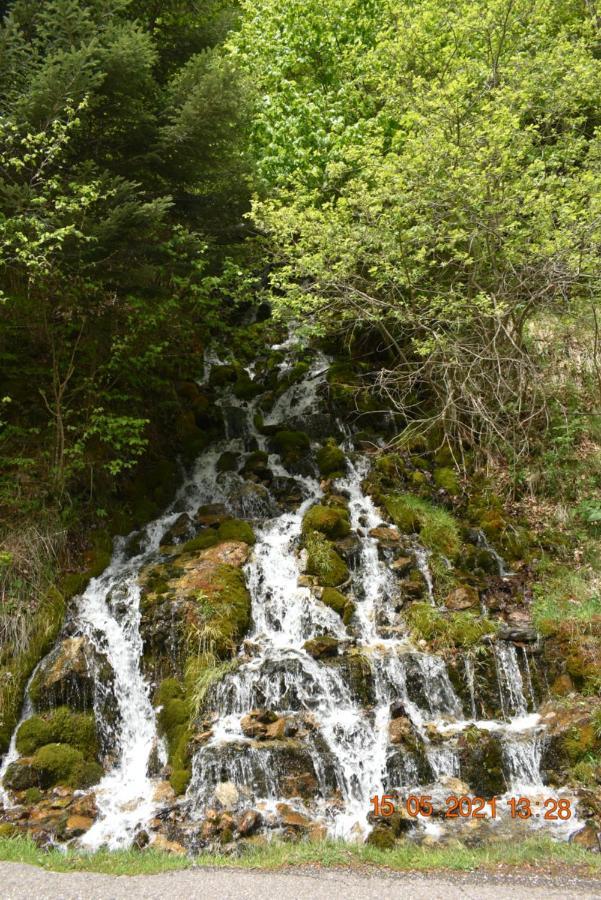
481, 760
256, 468
245, 388
323, 561
328, 520
321, 647
219, 376
339, 603
331, 460
382, 837
227, 462
65, 678
236, 530
61, 726
53, 764
294, 448
174, 725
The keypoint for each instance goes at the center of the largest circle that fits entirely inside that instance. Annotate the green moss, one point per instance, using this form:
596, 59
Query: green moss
245, 388
169, 689
381, 837
33, 795
255, 462
333, 521
236, 530
173, 713
324, 562
203, 541
219, 376
7, 830
446, 479
580, 741
179, 780
61, 764
339, 603
61, 726
461, 629
44, 629
227, 462
437, 528
291, 445
331, 460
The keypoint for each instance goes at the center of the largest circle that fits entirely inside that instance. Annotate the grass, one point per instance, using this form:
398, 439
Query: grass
537, 852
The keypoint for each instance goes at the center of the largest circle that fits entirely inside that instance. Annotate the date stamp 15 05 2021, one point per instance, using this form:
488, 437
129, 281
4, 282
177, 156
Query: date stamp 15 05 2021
463, 807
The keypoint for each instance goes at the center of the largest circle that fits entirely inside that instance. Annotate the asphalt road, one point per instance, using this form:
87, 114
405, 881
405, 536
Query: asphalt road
21, 882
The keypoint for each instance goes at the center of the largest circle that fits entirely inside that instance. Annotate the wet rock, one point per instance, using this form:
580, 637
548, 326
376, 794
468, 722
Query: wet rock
386, 535
463, 597
77, 825
481, 761
349, 548
291, 818
249, 822
65, 677
588, 837
164, 794
141, 840
252, 501
400, 731
303, 785
402, 565
160, 842
211, 515
321, 647
517, 635
256, 722
179, 531
381, 837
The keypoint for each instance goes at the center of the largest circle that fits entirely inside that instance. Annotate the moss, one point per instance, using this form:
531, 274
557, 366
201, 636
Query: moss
291, 445
580, 741
236, 530
219, 376
255, 463
61, 726
74, 584
245, 388
169, 689
227, 462
461, 629
418, 479
446, 479
7, 830
381, 837
61, 764
33, 795
44, 629
331, 521
203, 541
339, 603
437, 528
331, 460
174, 712
179, 780
233, 604
324, 562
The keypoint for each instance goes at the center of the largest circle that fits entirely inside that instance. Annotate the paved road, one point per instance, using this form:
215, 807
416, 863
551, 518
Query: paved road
21, 882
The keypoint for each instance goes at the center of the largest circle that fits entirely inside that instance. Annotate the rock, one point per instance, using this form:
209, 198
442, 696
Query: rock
77, 825
588, 837
402, 565
381, 837
385, 534
160, 842
255, 723
290, 818
463, 597
211, 515
562, 686
276, 731
163, 793
252, 501
331, 521
226, 793
400, 730
141, 840
304, 785
64, 677
321, 647
179, 530
517, 635
249, 822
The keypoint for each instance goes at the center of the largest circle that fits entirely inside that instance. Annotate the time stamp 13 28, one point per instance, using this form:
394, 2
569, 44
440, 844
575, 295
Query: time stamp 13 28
464, 807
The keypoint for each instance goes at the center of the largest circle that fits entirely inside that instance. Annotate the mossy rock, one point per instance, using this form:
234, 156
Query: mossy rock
321, 647
245, 388
437, 528
256, 464
219, 376
331, 459
323, 561
328, 520
61, 726
227, 462
446, 479
339, 603
174, 712
580, 741
8, 830
291, 445
236, 530
53, 764
203, 541
179, 780
381, 837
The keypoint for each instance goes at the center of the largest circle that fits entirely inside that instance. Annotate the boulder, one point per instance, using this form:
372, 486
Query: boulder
463, 597
249, 822
65, 677
77, 825
400, 731
321, 647
588, 837
291, 818
227, 795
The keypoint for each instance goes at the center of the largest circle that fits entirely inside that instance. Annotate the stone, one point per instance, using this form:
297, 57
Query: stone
400, 730
77, 825
211, 515
276, 731
562, 686
386, 534
161, 843
226, 793
290, 818
64, 677
588, 837
517, 635
402, 565
321, 647
463, 597
249, 822
163, 793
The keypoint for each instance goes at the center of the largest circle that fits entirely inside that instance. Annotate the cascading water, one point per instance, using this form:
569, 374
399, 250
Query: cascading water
346, 750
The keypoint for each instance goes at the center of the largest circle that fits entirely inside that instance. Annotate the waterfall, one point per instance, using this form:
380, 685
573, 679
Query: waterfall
343, 707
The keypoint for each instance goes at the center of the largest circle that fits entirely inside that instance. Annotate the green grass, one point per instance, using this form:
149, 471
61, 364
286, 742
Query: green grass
539, 852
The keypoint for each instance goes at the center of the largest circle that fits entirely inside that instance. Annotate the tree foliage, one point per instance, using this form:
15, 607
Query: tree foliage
430, 176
